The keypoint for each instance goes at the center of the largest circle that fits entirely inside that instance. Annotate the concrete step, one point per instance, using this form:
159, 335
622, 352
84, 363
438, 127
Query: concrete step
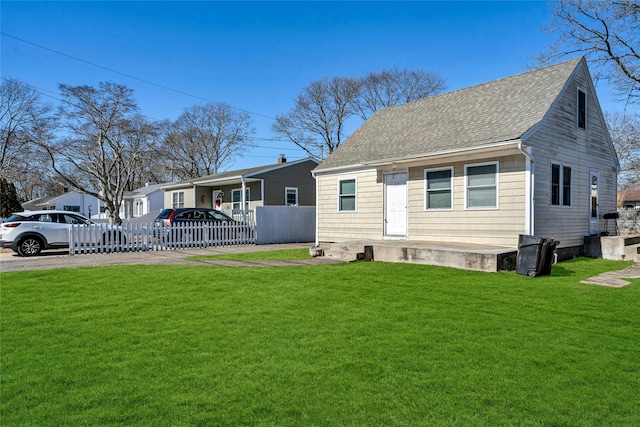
632, 253
344, 251
349, 251
619, 247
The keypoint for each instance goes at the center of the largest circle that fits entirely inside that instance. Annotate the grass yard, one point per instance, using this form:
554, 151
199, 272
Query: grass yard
358, 344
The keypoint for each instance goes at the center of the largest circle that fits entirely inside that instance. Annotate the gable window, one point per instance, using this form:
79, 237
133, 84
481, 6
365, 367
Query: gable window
177, 199
236, 198
71, 208
481, 186
582, 109
347, 195
291, 196
439, 188
560, 185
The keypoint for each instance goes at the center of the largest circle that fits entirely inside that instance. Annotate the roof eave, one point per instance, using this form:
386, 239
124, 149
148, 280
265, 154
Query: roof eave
423, 156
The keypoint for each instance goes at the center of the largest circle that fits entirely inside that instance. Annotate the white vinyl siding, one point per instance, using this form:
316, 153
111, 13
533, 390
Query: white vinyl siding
438, 189
365, 223
499, 227
481, 186
560, 141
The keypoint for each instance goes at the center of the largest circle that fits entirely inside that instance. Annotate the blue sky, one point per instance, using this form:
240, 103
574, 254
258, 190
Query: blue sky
257, 56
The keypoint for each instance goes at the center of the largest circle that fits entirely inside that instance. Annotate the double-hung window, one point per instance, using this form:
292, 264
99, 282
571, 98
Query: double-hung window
561, 177
439, 188
347, 195
481, 186
291, 196
581, 117
177, 199
236, 198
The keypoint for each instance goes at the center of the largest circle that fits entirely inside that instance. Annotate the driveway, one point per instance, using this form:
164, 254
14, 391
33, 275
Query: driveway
9, 261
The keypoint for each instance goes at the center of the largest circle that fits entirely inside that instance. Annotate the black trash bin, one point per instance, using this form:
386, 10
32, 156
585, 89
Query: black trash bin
549, 255
531, 255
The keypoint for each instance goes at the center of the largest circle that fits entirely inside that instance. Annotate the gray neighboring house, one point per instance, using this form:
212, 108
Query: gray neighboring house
526, 154
281, 184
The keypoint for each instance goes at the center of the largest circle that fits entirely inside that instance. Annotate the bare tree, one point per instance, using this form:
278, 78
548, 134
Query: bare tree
387, 88
317, 120
205, 138
607, 32
25, 123
625, 133
104, 139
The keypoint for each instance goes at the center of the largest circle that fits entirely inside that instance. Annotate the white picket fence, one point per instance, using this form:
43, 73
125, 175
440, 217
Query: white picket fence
102, 238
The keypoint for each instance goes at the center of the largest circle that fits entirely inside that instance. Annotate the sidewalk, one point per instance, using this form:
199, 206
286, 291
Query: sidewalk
615, 279
9, 261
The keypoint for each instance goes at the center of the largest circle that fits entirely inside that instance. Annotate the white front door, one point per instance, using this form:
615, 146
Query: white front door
594, 227
396, 204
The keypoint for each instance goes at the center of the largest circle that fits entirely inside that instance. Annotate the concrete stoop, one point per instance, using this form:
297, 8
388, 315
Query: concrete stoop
467, 257
626, 248
344, 251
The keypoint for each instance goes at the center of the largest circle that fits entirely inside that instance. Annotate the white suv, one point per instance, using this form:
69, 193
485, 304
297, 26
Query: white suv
28, 233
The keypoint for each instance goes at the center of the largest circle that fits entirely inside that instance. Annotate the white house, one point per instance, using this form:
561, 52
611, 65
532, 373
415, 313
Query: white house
527, 154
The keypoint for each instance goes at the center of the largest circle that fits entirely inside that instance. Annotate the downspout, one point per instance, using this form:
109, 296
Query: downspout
317, 215
529, 190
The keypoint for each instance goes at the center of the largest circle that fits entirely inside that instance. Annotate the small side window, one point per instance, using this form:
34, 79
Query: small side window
347, 195
582, 109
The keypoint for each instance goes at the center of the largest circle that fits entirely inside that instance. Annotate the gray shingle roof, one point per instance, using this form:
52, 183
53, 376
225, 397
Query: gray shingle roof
498, 111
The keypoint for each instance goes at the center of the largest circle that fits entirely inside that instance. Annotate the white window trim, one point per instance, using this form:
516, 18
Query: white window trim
586, 108
466, 187
426, 189
173, 204
286, 193
561, 186
355, 182
247, 198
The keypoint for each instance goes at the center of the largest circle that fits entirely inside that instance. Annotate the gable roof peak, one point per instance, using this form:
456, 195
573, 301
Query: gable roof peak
489, 113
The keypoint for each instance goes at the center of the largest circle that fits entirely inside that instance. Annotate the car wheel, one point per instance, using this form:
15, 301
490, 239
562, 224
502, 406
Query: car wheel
29, 246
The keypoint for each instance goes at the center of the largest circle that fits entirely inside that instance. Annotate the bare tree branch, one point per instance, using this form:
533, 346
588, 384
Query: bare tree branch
607, 33
205, 138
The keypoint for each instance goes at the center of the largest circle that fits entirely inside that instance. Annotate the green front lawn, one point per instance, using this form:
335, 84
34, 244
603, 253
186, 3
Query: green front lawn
358, 344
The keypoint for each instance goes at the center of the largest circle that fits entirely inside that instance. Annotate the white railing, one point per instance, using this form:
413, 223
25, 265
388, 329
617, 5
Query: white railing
248, 217
101, 238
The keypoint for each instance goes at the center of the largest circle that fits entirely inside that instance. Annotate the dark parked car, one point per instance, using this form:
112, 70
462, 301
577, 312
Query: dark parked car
194, 224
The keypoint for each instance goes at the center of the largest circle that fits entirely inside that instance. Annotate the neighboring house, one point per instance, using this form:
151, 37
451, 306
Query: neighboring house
72, 201
629, 199
281, 184
527, 154
142, 201
36, 204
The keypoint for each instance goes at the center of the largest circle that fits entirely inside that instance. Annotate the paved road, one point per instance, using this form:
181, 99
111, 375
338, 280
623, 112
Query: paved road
9, 261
